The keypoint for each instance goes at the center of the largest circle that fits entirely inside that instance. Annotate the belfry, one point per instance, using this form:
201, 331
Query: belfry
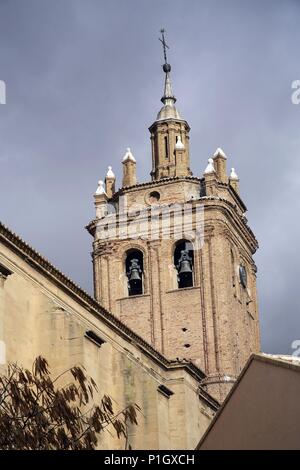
169, 134
173, 257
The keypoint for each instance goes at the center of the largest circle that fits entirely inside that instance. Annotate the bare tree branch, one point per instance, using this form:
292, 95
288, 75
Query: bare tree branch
35, 413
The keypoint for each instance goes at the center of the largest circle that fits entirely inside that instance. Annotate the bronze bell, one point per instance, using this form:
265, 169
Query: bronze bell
185, 271
185, 267
134, 277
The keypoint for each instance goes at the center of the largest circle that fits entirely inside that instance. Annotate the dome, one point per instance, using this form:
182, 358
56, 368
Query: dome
168, 112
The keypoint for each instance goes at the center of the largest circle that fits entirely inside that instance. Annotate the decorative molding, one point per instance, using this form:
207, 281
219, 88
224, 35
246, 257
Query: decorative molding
107, 248
155, 183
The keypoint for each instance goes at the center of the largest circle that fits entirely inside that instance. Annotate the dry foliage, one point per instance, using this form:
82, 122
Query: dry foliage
35, 413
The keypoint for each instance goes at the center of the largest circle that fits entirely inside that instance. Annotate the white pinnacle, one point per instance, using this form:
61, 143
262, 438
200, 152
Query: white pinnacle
110, 173
100, 189
179, 145
233, 175
128, 156
210, 167
220, 152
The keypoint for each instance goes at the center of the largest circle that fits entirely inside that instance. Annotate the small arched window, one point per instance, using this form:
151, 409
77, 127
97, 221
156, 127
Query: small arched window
134, 265
184, 263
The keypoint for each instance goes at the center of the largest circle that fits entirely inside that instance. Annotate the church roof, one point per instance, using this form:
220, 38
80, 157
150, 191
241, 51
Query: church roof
168, 111
38, 262
283, 358
263, 401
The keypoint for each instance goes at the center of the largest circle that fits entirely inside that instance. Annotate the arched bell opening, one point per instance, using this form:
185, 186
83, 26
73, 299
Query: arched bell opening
134, 265
184, 263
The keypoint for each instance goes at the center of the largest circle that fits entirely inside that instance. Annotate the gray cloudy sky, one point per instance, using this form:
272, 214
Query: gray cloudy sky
84, 81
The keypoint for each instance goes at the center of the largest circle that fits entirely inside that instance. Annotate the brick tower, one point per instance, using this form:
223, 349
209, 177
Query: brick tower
173, 257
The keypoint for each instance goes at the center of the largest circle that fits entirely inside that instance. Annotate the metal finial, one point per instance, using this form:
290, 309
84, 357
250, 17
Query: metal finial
166, 66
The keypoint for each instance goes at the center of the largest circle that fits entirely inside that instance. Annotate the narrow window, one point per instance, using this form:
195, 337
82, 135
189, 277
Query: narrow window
166, 148
243, 276
232, 268
184, 263
134, 271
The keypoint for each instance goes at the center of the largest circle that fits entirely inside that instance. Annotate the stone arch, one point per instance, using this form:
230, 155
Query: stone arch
135, 251
184, 262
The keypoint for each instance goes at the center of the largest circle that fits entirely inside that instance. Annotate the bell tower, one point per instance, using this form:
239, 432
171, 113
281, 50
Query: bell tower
173, 257
169, 134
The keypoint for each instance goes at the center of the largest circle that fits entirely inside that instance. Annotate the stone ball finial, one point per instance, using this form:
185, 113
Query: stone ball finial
179, 144
210, 167
233, 175
128, 156
100, 189
220, 153
167, 68
110, 173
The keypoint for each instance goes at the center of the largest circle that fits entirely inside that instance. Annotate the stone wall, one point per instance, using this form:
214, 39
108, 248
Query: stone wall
40, 315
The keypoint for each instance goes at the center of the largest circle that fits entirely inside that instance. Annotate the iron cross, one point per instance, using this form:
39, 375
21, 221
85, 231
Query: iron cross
165, 46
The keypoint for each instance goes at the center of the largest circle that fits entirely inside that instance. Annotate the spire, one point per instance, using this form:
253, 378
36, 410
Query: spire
219, 159
169, 133
129, 169
100, 198
168, 99
234, 181
110, 181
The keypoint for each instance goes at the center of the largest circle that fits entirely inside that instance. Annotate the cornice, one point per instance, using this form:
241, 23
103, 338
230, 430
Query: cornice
154, 183
167, 122
244, 227
210, 202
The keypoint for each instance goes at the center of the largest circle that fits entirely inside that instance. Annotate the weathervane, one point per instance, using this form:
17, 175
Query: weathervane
166, 66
